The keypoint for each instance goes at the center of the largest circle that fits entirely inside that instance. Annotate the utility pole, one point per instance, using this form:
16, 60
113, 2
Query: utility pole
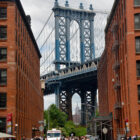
48, 118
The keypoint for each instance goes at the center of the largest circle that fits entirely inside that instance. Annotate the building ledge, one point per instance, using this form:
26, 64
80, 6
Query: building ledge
4, 108
3, 19
3, 39
3, 61
137, 30
137, 53
136, 6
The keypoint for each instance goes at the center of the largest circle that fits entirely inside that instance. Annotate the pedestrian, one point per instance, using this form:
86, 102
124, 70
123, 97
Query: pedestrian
135, 137
23, 138
129, 138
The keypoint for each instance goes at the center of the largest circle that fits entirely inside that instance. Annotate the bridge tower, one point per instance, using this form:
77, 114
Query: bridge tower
85, 19
63, 18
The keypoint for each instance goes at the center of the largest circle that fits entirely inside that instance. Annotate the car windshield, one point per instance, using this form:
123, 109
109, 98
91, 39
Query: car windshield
53, 135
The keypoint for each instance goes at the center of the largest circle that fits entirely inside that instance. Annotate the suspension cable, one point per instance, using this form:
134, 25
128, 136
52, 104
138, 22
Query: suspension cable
46, 69
74, 34
54, 48
47, 57
44, 26
47, 38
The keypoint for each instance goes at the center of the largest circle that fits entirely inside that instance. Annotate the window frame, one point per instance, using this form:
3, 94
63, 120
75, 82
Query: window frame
138, 68
135, 3
3, 100
137, 25
3, 35
4, 78
3, 55
137, 44
3, 127
3, 14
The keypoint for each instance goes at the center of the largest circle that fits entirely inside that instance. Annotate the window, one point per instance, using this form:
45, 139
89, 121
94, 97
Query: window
139, 93
137, 40
3, 54
3, 125
137, 2
3, 77
3, 12
138, 68
3, 100
3, 32
137, 21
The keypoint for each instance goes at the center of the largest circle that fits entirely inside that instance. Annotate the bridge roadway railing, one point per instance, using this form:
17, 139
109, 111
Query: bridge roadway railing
71, 71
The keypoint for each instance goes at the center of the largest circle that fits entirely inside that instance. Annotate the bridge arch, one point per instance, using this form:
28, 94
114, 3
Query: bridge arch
74, 41
76, 108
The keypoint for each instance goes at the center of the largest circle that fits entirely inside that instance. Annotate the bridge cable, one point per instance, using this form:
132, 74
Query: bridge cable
44, 26
47, 38
47, 57
53, 51
46, 69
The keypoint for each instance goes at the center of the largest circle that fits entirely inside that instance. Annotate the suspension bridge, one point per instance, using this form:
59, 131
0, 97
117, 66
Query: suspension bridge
71, 43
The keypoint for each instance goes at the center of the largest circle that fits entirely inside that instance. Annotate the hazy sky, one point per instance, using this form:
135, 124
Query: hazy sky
39, 10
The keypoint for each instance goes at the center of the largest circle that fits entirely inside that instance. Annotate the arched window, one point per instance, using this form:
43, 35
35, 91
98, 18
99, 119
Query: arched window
137, 21
137, 2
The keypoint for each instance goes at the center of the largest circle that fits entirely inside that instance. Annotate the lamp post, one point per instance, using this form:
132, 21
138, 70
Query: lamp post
94, 115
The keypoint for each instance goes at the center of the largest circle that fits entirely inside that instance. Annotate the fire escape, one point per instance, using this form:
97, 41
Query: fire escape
117, 84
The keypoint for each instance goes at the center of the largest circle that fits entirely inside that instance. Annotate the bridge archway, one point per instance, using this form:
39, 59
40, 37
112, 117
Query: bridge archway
76, 108
74, 41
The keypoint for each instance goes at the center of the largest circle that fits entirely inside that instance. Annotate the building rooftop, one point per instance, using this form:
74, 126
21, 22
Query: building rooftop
111, 14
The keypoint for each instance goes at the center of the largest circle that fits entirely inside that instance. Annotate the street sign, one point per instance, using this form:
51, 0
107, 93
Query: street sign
41, 128
105, 130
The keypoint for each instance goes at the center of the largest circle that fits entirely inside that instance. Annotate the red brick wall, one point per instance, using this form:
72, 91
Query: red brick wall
103, 86
127, 95
24, 96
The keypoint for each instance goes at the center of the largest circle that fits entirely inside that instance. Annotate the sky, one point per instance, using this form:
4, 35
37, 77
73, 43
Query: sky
39, 10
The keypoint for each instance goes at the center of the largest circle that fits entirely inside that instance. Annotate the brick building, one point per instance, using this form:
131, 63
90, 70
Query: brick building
21, 99
119, 69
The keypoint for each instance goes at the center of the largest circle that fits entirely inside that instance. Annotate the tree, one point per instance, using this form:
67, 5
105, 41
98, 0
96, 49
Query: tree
55, 117
70, 127
58, 119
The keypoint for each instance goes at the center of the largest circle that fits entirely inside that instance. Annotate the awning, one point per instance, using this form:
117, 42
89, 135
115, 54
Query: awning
103, 118
4, 135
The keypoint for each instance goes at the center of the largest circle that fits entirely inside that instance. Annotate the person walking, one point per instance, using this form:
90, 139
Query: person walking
23, 138
129, 138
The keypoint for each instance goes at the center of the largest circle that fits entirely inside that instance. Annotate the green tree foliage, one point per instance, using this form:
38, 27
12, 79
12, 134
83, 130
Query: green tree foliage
70, 127
58, 119
55, 117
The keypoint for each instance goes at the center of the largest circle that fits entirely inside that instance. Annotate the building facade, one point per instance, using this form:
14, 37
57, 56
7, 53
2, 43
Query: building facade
21, 99
77, 116
119, 69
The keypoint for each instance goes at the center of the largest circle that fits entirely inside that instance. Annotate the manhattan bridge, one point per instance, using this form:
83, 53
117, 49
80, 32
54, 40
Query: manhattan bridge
71, 43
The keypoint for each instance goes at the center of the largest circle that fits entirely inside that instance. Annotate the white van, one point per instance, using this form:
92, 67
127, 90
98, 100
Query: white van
54, 134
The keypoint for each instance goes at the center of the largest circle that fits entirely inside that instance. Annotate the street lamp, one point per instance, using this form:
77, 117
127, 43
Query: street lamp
89, 113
